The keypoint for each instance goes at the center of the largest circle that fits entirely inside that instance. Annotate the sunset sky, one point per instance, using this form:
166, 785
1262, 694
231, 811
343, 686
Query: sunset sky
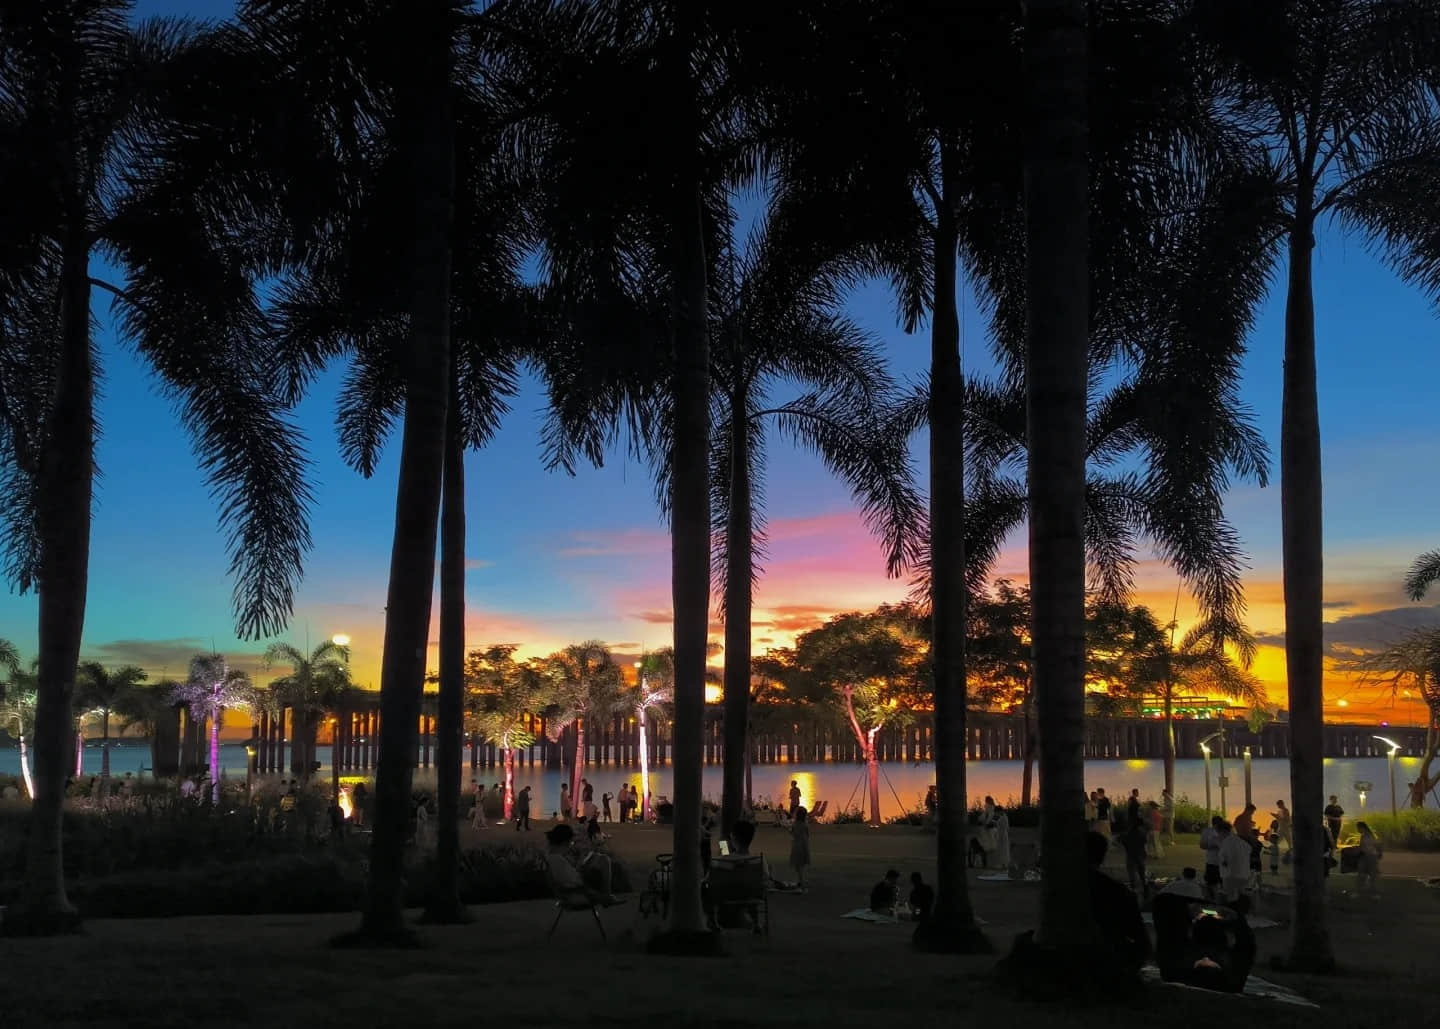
554, 560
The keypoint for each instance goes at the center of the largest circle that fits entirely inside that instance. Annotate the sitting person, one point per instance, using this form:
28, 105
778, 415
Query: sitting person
566, 866
1187, 886
885, 895
1115, 909
922, 898
594, 835
1209, 947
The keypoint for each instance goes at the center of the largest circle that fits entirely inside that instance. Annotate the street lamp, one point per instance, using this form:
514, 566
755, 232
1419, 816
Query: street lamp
250, 751
1247, 777
340, 640
1394, 749
1224, 782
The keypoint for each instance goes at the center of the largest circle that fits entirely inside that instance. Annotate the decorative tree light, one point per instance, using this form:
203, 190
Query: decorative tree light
212, 687
648, 696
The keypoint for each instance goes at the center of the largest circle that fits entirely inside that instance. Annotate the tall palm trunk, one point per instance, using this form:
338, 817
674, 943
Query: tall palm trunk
105, 743
739, 545
1056, 231
444, 904
644, 767
62, 520
431, 158
1027, 775
577, 767
953, 926
509, 798
1303, 556
1169, 689
215, 716
689, 534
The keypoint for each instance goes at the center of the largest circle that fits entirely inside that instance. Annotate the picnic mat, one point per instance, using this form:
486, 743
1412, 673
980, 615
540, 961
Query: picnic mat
1031, 876
1254, 987
1254, 923
866, 915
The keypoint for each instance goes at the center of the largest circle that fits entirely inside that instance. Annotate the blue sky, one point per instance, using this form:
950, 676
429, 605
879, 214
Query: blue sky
556, 559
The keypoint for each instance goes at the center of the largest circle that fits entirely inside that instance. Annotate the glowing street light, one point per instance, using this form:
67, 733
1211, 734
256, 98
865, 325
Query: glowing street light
340, 640
1224, 782
1394, 749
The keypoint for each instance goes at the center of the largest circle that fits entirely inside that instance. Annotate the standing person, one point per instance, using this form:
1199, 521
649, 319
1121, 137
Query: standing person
1090, 809
1167, 812
1102, 812
622, 797
564, 802
1132, 808
1272, 840
1133, 840
1155, 822
988, 818
932, 802
1235, 858
587, 793
794, 797
477, 813
605, 805
1244, 826
800, 845
1210, 844
1334, 817
1002, 838
1367, 878
1282, 827
522, 810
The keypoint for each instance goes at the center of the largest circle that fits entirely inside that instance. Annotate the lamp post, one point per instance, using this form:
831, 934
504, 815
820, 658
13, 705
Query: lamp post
644, 746
1247, 777
1205, 749
1394, 749
250, 752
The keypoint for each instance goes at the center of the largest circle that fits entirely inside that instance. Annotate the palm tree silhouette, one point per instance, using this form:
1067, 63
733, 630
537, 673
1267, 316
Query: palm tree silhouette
105, 690
315, 685
98, 102
1424, 573
1339, 98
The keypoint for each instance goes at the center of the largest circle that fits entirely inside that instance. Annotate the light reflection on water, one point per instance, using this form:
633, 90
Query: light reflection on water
902, 785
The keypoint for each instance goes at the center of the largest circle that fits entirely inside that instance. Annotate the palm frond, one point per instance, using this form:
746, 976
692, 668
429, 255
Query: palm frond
1423, 573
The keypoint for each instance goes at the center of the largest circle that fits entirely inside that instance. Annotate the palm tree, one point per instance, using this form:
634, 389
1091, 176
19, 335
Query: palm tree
502, 695
315, 685
1057, 212
1133, 654
1340, 97
104, 690
583, 687
1424, 573
598, 76
17, 706
87, 103
654, 686
775, 317
148, 707
999, 657
212, 687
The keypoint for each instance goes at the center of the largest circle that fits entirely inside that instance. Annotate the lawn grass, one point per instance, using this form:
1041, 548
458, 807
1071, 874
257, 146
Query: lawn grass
815, 969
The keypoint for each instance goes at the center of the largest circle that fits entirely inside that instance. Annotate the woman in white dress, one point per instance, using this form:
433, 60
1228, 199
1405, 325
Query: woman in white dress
1002, 838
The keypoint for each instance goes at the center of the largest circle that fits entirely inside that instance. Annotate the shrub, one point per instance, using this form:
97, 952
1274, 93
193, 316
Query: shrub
908, 818
1021, 816
1190, 817
1413, 829
848, 816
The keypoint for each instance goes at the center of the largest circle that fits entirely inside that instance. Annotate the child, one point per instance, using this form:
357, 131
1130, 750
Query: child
1368, 874
1272, 838
605, 805
1153, 847
800, 845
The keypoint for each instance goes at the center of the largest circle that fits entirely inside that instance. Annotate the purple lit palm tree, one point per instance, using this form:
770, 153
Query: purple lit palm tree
212, 687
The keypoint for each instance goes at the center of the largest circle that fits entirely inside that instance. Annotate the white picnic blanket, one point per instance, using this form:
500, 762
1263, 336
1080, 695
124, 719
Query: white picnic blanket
866, 915
1030, 876
1254, 923
1254, 987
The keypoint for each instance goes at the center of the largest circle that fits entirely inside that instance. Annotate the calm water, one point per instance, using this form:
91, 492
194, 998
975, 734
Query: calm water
902, 786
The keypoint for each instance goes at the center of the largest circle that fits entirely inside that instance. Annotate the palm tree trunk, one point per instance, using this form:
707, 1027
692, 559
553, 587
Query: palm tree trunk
431, 160
690, 529
644, 770
953, 926
1169, 689
105, 743
739, 543
444, 905
577, 768
1303, 557
215, 715
509, 799
1027, 775
63, 526
1056, 229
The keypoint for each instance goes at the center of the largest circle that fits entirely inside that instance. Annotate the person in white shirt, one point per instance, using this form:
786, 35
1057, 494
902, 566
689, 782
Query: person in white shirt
1235, 854
565, 863
1210, 844
1186, 886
